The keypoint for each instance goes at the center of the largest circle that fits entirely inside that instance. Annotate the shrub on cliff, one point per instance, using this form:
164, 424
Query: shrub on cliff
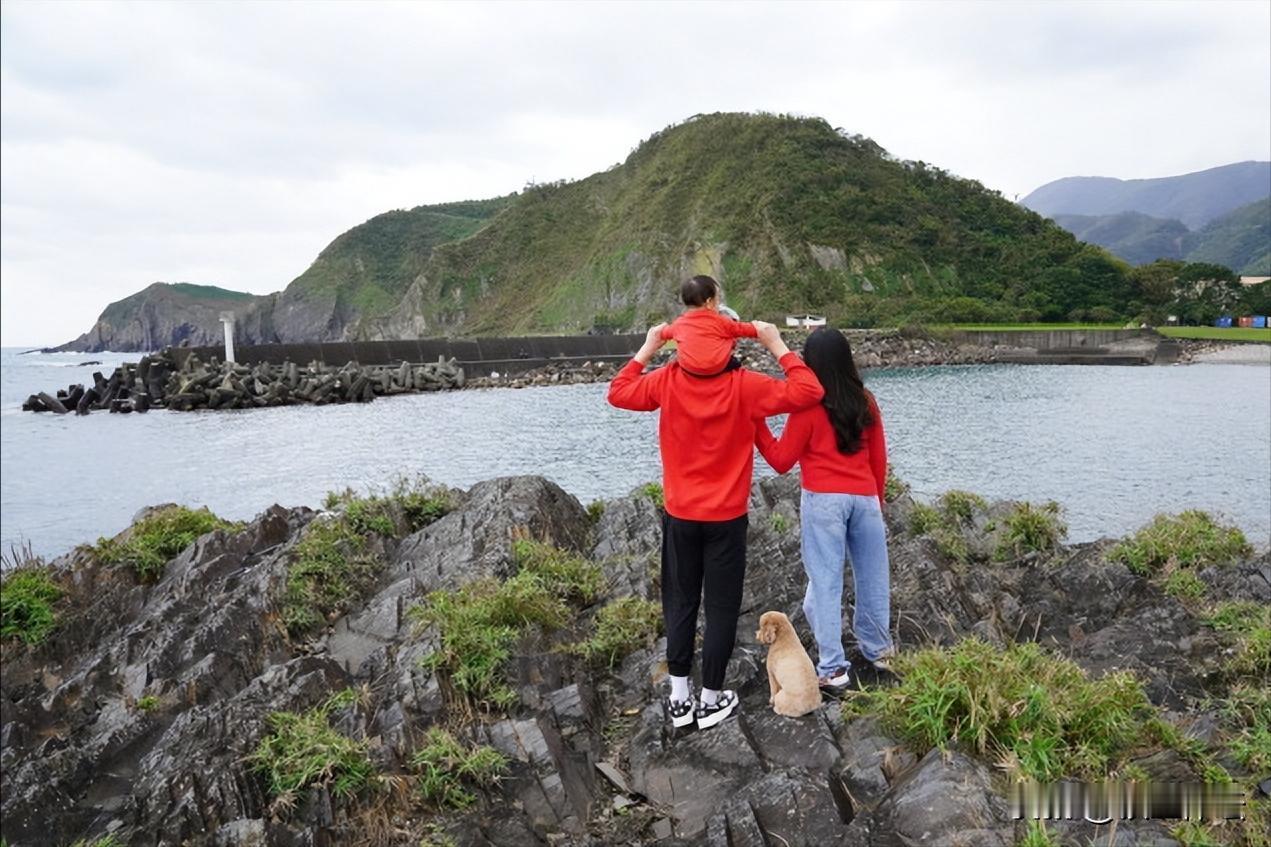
153, 541
1191, 539
303, 751
446, 766
27, 597
1040, 713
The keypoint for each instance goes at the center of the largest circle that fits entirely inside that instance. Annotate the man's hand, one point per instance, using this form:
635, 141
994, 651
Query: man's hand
653, 342
770, 337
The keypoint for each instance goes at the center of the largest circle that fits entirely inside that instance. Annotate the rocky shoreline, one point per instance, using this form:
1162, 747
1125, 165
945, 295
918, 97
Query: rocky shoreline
144, 713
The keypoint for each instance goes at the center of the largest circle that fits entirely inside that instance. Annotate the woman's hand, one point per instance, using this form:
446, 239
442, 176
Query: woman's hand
770, 337
653, 342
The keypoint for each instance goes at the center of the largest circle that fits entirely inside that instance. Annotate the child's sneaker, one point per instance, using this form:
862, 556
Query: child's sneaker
708, 716
679, 712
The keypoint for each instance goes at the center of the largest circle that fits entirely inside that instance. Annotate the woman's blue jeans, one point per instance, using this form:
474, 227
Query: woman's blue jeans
835, 526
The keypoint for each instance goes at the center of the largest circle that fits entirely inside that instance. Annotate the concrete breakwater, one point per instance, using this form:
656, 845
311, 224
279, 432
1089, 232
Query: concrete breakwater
268, 375
185, 383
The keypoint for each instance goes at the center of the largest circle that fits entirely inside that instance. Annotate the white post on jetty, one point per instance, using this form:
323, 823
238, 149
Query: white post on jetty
227, 320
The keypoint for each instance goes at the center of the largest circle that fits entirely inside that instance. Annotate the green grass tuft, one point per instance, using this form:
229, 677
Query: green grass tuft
1192, 834
1247, 708
330, 566
157, 538
923, 519
445, 767
1037, 836
1030, 528
27, 597
895, 487
1247, 628
1184, 585
302, 751
653, 490
572, 575
595, 509
409, 505
621, 627
1040, 713
329, 569
780, 523
479, 622
1191, 539
105, 841
148, 703
960, 506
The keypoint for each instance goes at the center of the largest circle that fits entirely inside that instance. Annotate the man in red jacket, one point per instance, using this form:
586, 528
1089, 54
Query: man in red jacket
706, 436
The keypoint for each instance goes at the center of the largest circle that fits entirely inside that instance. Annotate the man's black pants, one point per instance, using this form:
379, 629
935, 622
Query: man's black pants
697, 555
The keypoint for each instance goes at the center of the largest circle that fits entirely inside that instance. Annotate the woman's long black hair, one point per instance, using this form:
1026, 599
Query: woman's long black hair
829, 355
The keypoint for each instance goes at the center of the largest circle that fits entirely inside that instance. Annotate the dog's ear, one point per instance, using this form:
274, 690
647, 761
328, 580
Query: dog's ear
767, 632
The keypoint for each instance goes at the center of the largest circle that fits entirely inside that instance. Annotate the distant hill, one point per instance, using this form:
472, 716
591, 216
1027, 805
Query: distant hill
164, 314
1194, 198
791, 214
1134, 236
1241, 240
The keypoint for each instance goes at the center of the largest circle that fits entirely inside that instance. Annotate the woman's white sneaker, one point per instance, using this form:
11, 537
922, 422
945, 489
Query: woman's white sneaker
709, 715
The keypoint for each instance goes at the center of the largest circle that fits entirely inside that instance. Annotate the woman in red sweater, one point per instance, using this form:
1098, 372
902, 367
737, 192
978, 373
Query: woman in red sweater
706, 435
842, 456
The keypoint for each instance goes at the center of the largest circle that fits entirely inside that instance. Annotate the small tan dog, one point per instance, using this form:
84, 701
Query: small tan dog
791, 676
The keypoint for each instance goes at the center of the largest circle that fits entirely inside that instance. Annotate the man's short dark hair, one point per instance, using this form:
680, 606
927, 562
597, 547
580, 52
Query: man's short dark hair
697, 290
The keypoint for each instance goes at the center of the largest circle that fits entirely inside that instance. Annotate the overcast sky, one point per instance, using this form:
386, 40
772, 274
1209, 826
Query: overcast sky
229, 143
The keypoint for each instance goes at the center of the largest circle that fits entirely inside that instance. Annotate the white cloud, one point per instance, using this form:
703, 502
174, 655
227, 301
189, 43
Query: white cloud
228, 143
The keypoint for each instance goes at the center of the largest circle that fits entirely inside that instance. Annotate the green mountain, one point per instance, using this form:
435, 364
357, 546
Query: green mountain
1194, 198
367, 272
1240, 240
789, 213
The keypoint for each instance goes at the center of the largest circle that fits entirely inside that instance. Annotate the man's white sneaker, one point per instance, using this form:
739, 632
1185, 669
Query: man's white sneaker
709, 715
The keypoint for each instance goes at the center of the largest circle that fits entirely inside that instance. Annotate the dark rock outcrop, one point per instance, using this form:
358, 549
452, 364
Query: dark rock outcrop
591, 760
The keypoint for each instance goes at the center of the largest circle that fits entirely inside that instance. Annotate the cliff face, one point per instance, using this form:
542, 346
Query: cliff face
176, 314
144, 710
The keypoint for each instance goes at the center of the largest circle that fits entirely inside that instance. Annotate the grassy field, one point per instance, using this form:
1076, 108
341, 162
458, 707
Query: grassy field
1208, 333
1026, 327
1213, 333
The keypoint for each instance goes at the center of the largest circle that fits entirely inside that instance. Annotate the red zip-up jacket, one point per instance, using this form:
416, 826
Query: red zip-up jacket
707, 430
809, 440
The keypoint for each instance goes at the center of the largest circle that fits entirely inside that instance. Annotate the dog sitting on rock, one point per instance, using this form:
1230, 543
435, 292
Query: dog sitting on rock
791, 676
